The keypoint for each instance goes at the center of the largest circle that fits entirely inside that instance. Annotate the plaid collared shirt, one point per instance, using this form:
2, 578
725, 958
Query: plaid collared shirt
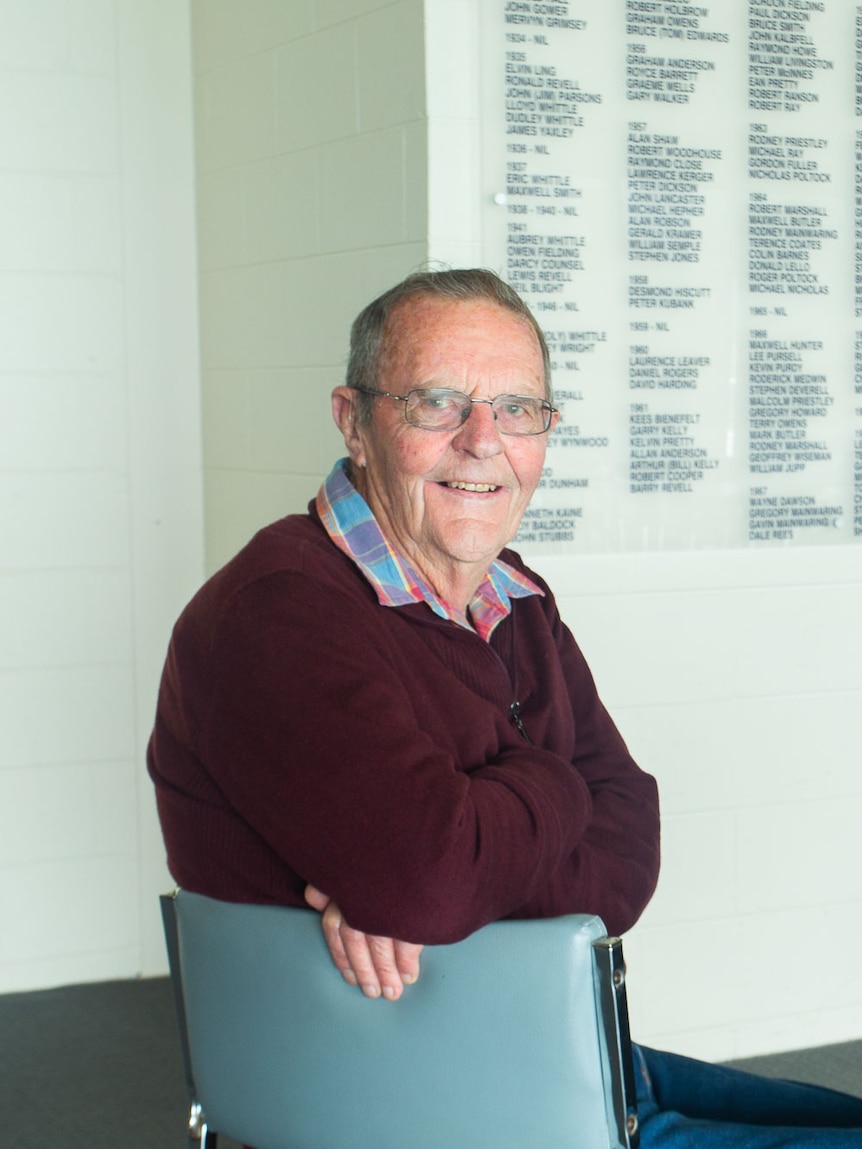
351, 525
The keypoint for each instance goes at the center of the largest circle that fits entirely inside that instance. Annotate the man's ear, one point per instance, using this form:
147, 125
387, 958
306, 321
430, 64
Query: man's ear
344, 412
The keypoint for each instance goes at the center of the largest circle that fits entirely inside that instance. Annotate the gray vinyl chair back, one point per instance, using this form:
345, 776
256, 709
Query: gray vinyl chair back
515, 1038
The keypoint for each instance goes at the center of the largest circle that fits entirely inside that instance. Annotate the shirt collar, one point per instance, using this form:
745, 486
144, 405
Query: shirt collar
350, 523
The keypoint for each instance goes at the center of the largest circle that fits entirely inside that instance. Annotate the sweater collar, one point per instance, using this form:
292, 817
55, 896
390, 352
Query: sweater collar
350, 523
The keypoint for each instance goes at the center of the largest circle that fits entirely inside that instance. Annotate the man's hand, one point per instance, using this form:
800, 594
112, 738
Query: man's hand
377, 965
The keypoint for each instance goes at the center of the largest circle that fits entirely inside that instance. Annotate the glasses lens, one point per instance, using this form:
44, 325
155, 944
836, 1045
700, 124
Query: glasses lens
521, 415
436, 408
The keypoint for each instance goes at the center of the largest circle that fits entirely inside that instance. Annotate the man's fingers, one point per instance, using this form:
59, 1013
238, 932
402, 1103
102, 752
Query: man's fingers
317, 899
383, 956
378, 965
368, 961
351, 952
407, 960
333, 924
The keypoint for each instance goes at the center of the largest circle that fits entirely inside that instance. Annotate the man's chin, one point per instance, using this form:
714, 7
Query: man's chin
472, 542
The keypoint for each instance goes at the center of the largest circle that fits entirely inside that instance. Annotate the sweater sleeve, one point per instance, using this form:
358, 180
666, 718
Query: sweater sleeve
613, 868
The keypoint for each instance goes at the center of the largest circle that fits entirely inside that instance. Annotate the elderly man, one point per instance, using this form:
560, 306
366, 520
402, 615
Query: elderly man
375, 708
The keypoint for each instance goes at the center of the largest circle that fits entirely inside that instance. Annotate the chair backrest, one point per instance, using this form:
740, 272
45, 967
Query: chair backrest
515, 1038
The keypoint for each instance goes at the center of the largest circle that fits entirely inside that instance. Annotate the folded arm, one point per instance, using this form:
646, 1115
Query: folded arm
370, 754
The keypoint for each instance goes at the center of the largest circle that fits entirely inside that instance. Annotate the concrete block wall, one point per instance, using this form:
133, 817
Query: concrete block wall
312, 173
735, 680
100, 508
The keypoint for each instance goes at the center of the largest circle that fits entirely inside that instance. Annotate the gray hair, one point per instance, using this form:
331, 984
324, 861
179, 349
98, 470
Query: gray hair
460, 284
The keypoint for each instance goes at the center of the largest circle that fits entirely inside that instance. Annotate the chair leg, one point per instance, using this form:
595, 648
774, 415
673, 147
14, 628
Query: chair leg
200, 1135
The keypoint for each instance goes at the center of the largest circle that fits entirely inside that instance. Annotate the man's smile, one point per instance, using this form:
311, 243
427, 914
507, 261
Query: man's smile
459, 485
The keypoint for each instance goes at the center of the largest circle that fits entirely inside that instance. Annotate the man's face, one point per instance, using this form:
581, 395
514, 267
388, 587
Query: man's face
451, 500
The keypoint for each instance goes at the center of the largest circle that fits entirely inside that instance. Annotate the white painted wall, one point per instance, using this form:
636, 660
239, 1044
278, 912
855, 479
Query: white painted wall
100, 508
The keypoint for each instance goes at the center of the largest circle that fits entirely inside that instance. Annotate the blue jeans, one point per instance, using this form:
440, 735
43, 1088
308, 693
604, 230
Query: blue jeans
685, 1104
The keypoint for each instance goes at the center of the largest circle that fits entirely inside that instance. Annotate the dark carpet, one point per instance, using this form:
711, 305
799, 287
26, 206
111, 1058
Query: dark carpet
835, 1066
98, 1066
93, 1067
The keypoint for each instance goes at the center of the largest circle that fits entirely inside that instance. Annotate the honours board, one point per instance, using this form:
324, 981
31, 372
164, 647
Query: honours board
676, 190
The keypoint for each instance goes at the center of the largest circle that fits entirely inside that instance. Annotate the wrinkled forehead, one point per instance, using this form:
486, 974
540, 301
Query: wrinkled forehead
429, 336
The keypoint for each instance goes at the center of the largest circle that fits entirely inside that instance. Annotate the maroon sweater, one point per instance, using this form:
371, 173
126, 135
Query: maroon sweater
305, 733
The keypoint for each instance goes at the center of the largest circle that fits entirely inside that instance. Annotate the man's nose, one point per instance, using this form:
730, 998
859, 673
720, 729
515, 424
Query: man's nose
479, 433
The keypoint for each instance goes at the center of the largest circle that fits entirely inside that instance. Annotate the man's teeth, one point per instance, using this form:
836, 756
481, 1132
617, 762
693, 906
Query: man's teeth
482, 487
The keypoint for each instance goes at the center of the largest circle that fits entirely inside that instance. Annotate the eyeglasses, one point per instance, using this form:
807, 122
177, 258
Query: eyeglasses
438, 409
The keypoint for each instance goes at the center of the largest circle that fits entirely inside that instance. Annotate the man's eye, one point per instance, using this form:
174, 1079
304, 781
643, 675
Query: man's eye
517, 409
437, 401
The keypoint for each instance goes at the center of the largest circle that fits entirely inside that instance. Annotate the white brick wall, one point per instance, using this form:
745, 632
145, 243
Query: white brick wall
734, 676
736, 679
311, 159
97, 324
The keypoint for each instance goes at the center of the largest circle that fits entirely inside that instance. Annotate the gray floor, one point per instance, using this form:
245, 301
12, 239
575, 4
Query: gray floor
98, 1066
92, 1067
835, 1066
